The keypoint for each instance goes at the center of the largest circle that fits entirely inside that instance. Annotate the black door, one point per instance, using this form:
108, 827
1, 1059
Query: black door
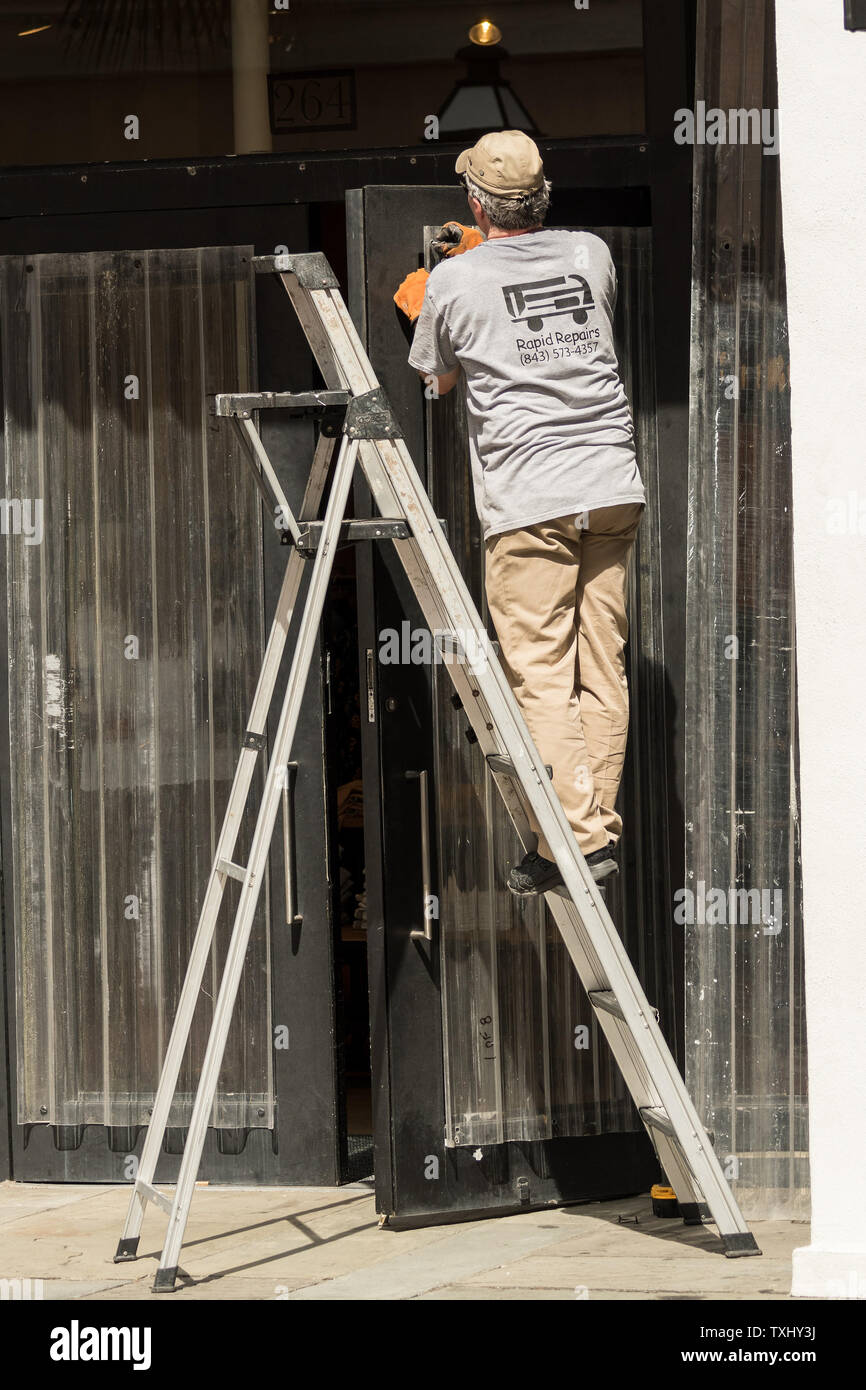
493, 1090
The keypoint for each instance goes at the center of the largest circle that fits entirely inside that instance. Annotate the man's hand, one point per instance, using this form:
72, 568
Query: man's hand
410, 295
453, 238
444, 384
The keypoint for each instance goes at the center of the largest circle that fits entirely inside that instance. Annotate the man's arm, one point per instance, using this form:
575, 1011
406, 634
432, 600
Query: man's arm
432, 355
444, 384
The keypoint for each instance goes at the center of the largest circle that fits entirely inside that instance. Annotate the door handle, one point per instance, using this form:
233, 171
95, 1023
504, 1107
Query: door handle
292, 916
426, 885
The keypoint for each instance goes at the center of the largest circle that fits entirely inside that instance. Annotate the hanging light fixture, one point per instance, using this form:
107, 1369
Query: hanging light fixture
482, 100
485, 33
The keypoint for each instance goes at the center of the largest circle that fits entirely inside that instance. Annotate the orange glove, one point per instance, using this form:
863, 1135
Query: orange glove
410, 295
453, 238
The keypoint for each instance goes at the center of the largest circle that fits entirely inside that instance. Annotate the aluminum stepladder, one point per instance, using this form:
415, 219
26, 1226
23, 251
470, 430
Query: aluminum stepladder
371, 436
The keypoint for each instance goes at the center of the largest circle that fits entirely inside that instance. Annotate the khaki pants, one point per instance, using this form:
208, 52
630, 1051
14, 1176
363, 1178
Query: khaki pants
557, 597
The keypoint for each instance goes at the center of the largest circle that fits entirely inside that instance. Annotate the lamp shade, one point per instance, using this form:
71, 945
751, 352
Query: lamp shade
482, 100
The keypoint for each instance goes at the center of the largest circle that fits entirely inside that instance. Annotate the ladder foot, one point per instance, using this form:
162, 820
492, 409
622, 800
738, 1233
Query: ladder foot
165, 1280
740, 1243
126, 1249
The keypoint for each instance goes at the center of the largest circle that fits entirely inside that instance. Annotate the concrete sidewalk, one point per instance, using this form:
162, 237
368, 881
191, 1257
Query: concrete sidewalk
325, 1243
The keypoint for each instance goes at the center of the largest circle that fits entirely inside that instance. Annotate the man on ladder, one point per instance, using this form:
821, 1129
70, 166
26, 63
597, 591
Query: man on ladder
527, 315
371, 438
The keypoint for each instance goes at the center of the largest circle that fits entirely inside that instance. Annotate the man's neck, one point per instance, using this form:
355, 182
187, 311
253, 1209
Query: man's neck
496, 232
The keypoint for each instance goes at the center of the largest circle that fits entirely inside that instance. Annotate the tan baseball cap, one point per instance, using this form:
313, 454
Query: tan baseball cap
505, 162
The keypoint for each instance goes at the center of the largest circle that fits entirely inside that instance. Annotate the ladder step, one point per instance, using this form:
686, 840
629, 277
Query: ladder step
500, 762
159, 1199
658, 1119
606, 1000
225, 866
243, 403
362, 529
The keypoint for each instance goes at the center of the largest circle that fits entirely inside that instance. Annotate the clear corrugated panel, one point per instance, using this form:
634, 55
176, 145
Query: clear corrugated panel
745, 1019
524, 1059
135, 630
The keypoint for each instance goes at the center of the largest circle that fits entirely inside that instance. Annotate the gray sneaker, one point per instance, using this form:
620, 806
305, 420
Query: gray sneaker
535, 874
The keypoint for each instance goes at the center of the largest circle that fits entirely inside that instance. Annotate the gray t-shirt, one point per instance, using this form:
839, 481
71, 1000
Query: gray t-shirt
529, 318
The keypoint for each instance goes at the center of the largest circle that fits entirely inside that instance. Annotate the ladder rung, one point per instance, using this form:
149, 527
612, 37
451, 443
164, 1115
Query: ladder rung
606, 1000
658, 1119
500, 762
225, 866
295, 402
361, 529
159, 1199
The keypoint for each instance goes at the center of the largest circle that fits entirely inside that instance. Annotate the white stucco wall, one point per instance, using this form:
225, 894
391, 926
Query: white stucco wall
822, 119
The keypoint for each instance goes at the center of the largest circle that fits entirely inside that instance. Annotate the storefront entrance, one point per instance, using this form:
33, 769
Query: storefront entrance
360, 1046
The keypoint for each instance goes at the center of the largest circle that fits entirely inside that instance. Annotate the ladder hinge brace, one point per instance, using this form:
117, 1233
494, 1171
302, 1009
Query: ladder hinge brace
310, 267
370, 417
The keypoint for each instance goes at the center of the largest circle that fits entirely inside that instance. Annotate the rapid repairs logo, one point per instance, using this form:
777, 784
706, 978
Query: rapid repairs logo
536, 300
77, 1343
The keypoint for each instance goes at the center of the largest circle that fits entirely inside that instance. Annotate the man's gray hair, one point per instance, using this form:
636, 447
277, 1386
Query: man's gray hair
512, 214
